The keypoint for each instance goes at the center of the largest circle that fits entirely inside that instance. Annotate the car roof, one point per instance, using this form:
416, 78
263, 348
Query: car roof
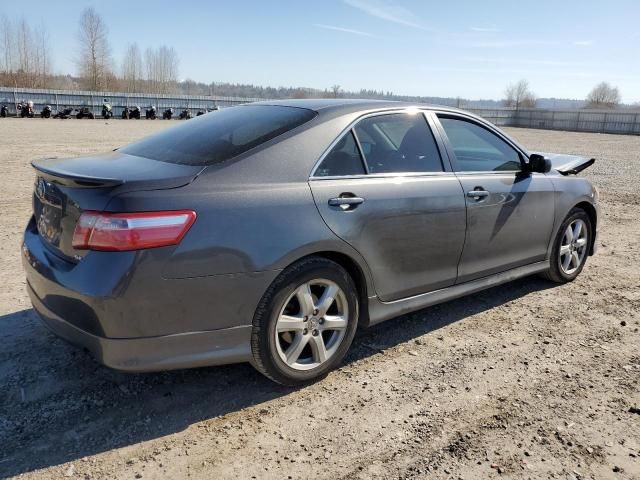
350, 105
328, 108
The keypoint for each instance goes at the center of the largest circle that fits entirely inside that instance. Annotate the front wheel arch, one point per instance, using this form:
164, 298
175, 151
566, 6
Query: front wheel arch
593, 217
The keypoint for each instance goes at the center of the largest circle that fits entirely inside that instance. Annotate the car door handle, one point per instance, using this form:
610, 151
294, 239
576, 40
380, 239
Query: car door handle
345, 202
477, 194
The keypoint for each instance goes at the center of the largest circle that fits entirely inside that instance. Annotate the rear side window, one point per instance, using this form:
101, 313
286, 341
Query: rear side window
343, 159
477, 149
399, 142
220, 135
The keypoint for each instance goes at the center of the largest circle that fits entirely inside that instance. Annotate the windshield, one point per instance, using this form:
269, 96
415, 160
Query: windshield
220, 135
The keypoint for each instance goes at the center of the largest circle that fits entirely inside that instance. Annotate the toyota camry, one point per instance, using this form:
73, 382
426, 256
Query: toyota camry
269, 232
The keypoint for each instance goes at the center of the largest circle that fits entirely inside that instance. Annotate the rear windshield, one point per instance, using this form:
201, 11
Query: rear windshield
220, 135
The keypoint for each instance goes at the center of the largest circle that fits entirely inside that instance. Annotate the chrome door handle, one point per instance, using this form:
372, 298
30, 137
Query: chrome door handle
345, 202
477, 194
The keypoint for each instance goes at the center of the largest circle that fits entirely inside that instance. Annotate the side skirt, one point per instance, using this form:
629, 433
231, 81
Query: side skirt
380, 311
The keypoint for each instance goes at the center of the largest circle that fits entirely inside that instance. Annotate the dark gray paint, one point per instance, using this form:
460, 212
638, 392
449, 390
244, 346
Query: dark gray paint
259, 213
499, 232
411, 228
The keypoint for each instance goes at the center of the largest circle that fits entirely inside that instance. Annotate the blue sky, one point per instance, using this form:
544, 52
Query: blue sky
471, 49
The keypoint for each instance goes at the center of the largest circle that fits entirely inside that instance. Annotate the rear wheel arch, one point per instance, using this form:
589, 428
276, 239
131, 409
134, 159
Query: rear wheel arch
357, 274
266, 355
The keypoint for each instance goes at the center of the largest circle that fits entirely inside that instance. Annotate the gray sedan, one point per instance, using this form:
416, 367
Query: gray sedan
267, 233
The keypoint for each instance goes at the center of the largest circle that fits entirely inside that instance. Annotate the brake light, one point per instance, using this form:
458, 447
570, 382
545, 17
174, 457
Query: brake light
131, 231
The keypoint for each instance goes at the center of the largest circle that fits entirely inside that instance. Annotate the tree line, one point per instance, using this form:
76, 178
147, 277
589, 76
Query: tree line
519, 95
25, 61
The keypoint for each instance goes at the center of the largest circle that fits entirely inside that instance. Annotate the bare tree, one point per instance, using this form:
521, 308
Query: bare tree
299, 93
94, 58
132, 70
25, 60
162, 68
42, 57
518, 96
169, 67
336, 90
603, 95
26, 70
7, 45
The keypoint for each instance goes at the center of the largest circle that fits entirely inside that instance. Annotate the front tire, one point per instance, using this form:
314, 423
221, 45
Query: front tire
305, 322
571, 247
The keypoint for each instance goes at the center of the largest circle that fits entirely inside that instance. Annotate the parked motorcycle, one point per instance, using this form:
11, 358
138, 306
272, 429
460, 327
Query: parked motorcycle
65, 113
26, 109
150, 113
185, 114
167, 114
46, 112
4, 111
134, 112
84, 112
107, 111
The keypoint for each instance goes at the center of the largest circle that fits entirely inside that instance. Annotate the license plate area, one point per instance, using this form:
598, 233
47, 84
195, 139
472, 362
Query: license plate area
48, 211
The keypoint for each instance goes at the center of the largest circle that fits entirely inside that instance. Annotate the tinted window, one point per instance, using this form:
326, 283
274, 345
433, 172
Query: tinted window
220, 135
477, 149
398, 143
343, 159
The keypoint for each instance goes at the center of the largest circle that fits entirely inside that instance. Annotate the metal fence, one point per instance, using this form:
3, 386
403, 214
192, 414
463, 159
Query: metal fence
59, 99
611, 121
599, 121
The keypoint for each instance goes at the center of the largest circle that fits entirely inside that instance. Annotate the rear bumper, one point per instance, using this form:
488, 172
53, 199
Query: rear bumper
168, 352
119, 307
123, 295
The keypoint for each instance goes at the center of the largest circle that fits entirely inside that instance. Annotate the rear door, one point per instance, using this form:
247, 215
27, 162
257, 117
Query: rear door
383, 188
510, 213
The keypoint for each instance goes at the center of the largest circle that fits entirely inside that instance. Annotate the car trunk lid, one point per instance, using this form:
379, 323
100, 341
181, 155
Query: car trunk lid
64, 188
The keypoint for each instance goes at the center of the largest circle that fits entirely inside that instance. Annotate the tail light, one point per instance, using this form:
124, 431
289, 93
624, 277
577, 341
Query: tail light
131, 231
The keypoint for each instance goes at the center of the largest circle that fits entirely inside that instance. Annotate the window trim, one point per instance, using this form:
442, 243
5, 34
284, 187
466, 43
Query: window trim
431, 125
451, 153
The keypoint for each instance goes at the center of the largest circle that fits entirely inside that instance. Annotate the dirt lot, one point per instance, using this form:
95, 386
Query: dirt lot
527, 380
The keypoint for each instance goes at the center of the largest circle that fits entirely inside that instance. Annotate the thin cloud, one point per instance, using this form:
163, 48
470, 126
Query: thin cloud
343, 30
485, 29
387, 11
539, 62
583, 43
507, 43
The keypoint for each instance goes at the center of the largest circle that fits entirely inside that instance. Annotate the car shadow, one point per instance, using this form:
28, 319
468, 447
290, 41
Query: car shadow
59, 405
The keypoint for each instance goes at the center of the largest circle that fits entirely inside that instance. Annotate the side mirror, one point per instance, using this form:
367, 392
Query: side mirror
539, 164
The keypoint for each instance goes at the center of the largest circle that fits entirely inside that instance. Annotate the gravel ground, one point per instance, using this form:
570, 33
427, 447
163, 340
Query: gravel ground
527, 380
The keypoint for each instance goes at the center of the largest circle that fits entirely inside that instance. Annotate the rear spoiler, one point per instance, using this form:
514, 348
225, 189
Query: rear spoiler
68, 179
568, 164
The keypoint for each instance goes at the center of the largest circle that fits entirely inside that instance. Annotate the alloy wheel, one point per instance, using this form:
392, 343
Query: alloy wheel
312, 324
573, 247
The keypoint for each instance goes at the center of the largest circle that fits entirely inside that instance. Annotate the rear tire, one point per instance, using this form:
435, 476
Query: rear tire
305, 322
571, 247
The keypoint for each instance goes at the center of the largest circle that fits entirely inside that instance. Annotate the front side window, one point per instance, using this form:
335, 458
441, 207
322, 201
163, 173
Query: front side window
398, 142
343, 159
477, 149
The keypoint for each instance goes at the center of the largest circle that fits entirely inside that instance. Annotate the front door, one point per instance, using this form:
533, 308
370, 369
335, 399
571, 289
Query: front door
510, 213
383, 189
